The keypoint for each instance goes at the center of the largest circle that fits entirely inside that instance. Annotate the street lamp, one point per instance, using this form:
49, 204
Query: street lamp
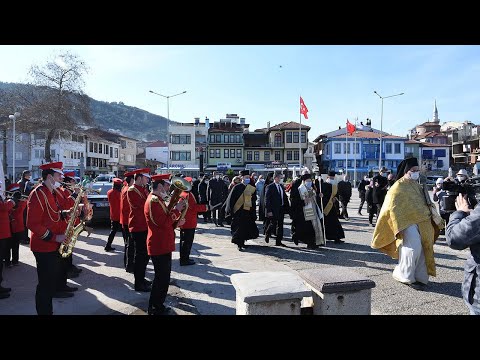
168, 121
14, 117
381, 125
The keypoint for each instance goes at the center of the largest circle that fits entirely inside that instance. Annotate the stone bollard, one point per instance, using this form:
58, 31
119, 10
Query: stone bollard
339, 291
269, 293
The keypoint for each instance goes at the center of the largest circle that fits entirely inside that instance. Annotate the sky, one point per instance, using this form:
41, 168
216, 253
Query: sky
263, 83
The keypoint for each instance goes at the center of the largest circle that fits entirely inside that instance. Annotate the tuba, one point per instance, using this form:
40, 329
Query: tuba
179, 185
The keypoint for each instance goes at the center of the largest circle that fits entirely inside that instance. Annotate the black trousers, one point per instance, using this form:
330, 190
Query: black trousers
379, 207
64, 266
275, 226
207, 215
220, 215
3, 255
129, 250
25, 238
343, 209
372, 210
115, 226
14, 247
186, 241
48, 267
163, 267
141, 256
362, 201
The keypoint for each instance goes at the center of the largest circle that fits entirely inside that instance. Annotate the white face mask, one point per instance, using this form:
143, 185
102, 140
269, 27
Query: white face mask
330, 181
461, 178
414, 175
217, 177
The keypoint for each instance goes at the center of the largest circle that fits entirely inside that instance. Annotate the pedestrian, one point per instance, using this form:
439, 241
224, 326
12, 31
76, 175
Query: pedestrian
217, 192
333, 229
380, 185
361, 192
463, 231
405, 229
203, 197
371, 206
276, 205
344, 195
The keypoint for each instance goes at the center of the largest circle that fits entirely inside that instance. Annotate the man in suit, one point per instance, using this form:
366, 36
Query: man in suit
380, 184
276, 205
217, 192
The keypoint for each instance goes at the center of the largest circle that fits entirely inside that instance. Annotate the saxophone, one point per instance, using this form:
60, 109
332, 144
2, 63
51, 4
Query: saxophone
72, 232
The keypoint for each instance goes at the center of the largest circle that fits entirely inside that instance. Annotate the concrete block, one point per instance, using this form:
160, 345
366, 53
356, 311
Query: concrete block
269, 293
339, 291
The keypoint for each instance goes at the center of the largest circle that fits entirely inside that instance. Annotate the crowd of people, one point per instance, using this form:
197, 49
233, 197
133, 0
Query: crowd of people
143, 210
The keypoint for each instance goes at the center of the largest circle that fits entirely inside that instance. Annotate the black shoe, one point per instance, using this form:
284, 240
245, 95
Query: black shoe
15, 263
129, 270
164, 310
8, 264
73, 268
359, 213
417, 286
4, 295
372, 225
267, 238
109, 249
67, 288
143, 288
187, 262
240, 248
147, 282
62, 295
72, 274
295, 240
338, 241
311, 247
4, 290
221, 225
280, 244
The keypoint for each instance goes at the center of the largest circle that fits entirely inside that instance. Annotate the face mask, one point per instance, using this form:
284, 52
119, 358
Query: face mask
384, 175
439, 186
461, 178
415, 175
206, 181
217, 177
255, 177
56, 184
281, 181
246, 181
308, 184
262, 180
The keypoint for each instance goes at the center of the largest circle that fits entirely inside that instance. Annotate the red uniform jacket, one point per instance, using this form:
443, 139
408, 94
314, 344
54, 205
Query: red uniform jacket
5, 209
124, 206
136, 196
17, 217
114, 201
161, 235
43, 220
192, 211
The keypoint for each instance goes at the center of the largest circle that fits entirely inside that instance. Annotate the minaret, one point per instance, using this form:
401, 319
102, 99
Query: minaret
435, 114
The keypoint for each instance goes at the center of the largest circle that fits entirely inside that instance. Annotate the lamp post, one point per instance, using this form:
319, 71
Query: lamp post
14, 117
381, 125
168, 121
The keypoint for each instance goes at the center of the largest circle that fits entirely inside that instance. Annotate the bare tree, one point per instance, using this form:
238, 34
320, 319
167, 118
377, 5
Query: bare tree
56, 101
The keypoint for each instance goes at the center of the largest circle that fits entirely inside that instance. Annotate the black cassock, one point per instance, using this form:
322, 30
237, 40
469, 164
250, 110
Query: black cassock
295, 204
243, 221
333, 228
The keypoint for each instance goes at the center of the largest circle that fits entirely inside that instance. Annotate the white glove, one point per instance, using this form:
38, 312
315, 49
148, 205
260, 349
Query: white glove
60, 238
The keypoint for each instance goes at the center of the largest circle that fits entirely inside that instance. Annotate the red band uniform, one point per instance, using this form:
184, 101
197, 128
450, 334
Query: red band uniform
113, 196
129, 249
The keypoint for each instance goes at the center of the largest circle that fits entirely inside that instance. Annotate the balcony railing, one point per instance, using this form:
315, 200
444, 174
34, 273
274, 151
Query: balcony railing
373, 155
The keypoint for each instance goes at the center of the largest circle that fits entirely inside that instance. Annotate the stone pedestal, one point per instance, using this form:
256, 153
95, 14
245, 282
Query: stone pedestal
339, 291
269, 293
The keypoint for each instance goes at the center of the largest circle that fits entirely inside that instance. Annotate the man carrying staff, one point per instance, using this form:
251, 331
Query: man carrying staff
241, 206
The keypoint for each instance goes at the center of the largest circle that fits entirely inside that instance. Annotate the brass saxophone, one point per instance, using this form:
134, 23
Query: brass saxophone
72, 232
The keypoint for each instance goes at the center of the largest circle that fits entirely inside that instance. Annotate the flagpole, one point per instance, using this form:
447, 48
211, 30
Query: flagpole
356, 155
346, 149
300, 142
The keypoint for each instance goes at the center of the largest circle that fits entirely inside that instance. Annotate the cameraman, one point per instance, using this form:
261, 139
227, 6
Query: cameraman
463, 231
464, 187
438, 194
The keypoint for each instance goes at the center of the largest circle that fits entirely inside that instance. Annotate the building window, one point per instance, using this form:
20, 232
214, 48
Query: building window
357, 148
397, 148
346, 148
266, 156
39, 136
180, 155
349, 163
256, 155
278, 139
327, 149
239, 138
218, 138
337, 148
95, 148
289, 137
440, 153
74, 154
52, 153
295, 137
239, 153
122, 157
304, 137
106, 149
289, 155
100, 148
249, 156
212, 138
91, 146
439, 164
111, 152
226, 139
217, 153
39, 153
180, 139
232, 138
296, 155
116, 153
388, 148
129, 158
226, 153
339, 163
232, 153
277, 155
18, 156
212, 153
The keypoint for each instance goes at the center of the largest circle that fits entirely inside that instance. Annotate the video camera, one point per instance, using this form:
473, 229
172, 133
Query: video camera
453, 189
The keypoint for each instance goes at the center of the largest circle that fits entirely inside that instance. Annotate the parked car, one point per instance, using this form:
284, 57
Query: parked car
101, 206
104, 178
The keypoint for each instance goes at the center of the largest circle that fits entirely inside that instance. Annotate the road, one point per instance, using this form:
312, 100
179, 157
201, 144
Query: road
106, 289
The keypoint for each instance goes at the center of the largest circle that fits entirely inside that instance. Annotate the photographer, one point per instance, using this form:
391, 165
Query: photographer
438, 194
453, 187
463, 231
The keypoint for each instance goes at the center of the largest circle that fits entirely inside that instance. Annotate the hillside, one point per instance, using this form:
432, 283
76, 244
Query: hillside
127, 120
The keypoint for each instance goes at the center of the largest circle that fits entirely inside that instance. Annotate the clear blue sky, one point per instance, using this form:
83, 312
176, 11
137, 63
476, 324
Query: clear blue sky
336, 82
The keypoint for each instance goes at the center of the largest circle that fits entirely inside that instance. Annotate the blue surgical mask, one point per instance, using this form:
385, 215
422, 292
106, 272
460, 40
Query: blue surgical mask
246, 181
308, 184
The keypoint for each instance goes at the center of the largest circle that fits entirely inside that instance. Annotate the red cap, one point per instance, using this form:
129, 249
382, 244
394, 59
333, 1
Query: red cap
117, 181
13, 187
55, 166
188, 178
69, 174
144, 171
129, 173
164, 177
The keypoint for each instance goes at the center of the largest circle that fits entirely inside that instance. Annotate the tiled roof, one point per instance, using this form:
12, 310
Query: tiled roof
370, 135
158, 143
434, 145
289, 125
413, 142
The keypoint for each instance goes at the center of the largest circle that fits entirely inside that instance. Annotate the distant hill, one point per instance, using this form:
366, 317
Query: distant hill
126, 120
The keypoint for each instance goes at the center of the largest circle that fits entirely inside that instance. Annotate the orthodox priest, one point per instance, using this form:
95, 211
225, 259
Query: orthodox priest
240, 205
405, 229
333, 228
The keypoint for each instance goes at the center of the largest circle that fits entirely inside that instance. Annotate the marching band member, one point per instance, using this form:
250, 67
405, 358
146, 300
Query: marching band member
187, 232
45, 221
160, 241
129, 248
6, 207
114, 200
137, 195
17, 225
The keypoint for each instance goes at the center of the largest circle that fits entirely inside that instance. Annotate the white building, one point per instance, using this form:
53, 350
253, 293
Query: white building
157, 151
434, 156
66, 147
102, 156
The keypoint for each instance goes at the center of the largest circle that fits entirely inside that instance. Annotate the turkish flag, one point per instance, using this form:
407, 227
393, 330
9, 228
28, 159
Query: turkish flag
350, 127
303, 108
